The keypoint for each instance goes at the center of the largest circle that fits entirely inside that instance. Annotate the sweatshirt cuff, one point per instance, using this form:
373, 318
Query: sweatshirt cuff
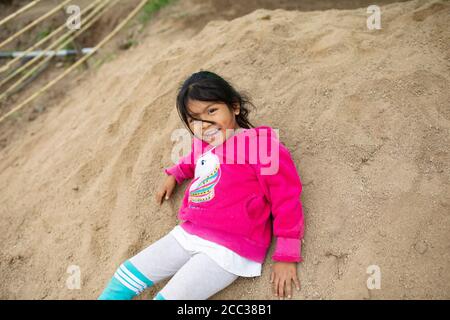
176, 173
287, 250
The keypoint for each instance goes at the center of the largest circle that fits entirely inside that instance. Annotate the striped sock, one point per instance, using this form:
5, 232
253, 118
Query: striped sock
159, 296
126, 283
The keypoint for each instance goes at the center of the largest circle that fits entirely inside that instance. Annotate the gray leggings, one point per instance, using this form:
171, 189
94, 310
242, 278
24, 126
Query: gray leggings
195, 275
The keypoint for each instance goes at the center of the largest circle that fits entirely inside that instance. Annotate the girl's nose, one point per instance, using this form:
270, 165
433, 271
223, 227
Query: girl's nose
207, 125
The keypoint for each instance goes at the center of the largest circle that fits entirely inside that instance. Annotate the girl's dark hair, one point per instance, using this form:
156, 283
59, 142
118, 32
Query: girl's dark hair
208, 86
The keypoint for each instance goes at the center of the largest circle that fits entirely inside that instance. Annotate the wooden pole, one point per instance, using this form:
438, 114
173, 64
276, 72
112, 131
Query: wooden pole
61, 46
43, 40
76, 64
23, 9
31, 25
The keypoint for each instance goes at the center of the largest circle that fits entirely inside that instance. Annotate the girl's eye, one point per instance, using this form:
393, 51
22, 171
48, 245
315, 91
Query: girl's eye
212, 110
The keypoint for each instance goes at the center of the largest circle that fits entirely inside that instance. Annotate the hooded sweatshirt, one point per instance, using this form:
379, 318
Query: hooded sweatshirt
241, 191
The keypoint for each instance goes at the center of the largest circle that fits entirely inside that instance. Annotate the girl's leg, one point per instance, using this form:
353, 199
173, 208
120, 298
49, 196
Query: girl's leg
158, 261
198, 279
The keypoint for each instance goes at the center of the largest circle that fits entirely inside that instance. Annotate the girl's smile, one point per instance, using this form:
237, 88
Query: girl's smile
211, 121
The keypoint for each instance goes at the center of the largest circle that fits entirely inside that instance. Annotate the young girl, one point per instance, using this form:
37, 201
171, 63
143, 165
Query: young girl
229, 208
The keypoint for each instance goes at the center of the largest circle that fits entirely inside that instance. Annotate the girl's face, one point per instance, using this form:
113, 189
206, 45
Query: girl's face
220, 119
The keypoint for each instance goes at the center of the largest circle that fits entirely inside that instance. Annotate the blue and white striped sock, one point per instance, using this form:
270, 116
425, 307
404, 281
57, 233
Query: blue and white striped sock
126, 283
159, 296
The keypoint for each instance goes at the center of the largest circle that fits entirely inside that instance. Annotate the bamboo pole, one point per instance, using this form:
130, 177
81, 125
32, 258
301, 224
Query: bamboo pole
32, 24
23, 9
76, 64
53, 45
61, 46
43, 40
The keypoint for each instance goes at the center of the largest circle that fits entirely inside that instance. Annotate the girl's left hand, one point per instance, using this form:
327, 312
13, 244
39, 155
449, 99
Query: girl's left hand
282, 274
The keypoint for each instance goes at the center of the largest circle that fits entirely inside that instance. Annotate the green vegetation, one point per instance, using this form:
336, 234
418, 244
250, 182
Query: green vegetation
42, 34
128, 44
151, 7
69, 46
98, 61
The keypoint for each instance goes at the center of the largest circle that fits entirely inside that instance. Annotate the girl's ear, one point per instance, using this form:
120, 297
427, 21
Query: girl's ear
237, 110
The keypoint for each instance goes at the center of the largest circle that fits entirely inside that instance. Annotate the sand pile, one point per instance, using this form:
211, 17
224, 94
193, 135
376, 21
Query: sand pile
365, 114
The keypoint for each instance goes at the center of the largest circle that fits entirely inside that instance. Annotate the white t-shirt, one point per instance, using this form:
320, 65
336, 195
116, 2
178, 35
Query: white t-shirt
226, 258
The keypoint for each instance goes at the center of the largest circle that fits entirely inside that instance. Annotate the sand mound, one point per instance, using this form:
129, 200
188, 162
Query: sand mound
364, 113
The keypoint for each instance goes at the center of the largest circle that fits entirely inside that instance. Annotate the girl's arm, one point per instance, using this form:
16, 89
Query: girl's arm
182, 170
284, 188
185, 168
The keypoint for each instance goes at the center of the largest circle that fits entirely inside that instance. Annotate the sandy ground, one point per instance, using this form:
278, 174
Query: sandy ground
364, 113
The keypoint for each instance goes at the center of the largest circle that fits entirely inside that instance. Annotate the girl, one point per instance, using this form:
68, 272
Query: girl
229, 209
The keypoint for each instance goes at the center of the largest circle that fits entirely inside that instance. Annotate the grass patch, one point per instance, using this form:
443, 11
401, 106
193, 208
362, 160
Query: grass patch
42, 34
69, 46
100, 60
128, 44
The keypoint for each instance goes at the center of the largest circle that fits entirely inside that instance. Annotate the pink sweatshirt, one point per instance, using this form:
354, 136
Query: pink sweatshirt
241, 190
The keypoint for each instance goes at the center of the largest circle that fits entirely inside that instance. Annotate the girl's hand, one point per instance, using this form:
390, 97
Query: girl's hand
166, 190
282, 274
